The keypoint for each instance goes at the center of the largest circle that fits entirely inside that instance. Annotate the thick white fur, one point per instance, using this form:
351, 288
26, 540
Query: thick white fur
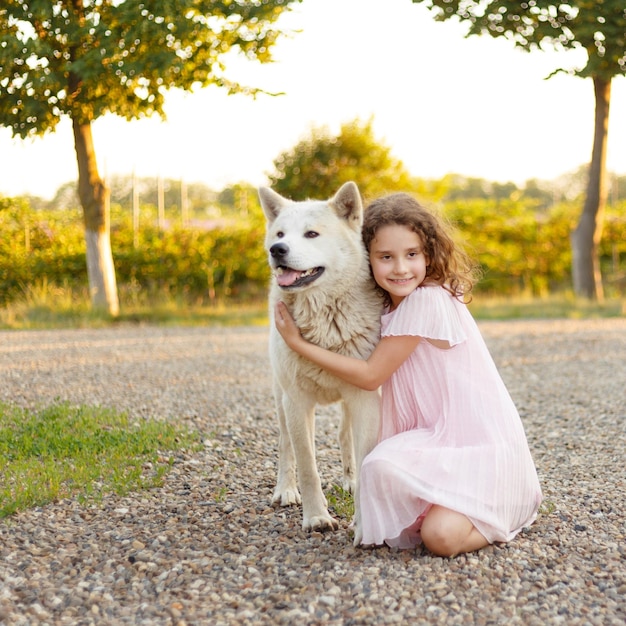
339, 311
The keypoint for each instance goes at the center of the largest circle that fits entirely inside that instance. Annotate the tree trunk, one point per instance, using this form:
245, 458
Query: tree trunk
585, 239
94, 198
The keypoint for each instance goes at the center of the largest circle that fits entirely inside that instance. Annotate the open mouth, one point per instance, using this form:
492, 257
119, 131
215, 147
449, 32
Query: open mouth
288, 278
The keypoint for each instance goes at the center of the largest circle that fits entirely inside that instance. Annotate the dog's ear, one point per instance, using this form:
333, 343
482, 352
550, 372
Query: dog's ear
348, 204
271, 203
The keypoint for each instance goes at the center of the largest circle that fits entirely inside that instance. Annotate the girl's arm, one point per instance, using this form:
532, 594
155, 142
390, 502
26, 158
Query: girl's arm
386, 358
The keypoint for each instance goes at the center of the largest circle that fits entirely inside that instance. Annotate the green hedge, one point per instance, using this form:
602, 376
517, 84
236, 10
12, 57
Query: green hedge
205, 264
520, 249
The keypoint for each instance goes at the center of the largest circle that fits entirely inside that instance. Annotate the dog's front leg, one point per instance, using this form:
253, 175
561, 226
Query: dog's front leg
300, 417
286, 492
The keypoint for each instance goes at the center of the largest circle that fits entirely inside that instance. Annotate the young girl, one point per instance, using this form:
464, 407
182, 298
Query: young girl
452, 468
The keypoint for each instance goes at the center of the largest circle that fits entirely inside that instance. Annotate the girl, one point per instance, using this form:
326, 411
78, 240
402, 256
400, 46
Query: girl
452, 468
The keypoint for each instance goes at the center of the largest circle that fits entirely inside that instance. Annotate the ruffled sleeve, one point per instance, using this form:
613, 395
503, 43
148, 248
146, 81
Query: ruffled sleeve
429, 312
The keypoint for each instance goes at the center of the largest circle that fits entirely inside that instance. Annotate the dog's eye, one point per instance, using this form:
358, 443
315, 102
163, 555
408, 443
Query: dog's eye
311, 234
280, 234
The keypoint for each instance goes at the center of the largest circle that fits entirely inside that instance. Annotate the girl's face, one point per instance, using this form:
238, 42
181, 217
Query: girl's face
398, 261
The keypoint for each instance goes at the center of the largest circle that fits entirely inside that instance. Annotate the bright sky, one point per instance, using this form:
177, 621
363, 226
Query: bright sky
442, 103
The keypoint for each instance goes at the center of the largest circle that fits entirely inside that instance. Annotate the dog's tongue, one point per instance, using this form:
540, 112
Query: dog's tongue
287, 277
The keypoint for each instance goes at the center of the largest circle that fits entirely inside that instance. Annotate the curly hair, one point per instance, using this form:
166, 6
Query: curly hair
448, 264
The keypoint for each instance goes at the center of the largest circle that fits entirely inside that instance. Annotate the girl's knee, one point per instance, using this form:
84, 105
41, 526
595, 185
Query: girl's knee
438, 541
447, 533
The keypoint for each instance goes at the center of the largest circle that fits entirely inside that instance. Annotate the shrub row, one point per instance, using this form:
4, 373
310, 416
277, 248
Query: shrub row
520, 250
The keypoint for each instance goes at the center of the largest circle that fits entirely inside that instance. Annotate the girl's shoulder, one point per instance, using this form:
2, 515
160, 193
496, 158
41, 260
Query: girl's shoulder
431, 312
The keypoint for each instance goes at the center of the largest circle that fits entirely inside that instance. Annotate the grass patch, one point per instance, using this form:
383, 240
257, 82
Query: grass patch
47, 307
547, 507
181, 314
561, 306
340, 502
62, 451
43, 305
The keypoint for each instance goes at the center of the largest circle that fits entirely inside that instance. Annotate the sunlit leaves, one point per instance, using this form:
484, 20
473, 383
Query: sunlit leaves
88, 58
318, 165
597, 27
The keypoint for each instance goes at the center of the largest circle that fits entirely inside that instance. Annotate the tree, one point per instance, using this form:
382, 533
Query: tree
318, 165
66, 197
599, 28
239, 199
87, 58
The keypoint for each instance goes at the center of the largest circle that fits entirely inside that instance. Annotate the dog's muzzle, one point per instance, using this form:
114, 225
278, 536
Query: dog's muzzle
287, 277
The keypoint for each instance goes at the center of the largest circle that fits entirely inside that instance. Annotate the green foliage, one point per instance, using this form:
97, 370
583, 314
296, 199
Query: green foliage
194, 263
189, 261
61, 451
40, 244
85, 59
597, 27
318, 165
548, 507
340, 502
521, 248
239, 199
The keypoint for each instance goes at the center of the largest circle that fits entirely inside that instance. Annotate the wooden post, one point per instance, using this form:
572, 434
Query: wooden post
184, 208
135, 212
160, 203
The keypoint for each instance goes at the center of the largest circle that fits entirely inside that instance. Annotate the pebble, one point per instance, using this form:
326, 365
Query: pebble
207, 547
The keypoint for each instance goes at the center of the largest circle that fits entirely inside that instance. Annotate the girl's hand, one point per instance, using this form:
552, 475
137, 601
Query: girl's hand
286, 325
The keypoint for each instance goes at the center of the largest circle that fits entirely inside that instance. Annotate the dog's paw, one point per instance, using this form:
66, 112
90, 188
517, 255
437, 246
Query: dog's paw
286, 497
320, 523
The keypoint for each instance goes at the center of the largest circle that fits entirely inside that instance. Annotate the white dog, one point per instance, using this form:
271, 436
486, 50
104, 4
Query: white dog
321, 273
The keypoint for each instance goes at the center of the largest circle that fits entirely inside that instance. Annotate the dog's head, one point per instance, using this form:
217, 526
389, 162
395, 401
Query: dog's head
310, 243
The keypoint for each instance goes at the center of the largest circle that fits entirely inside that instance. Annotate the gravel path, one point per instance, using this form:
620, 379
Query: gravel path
208, 549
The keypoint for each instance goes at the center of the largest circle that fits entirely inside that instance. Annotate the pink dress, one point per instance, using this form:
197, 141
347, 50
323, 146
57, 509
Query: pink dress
450, 433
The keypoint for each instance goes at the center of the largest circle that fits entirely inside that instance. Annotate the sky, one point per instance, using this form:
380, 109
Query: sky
441, 102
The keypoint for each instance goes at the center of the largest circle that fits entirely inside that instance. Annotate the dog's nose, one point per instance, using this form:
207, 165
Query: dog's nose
279, 250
